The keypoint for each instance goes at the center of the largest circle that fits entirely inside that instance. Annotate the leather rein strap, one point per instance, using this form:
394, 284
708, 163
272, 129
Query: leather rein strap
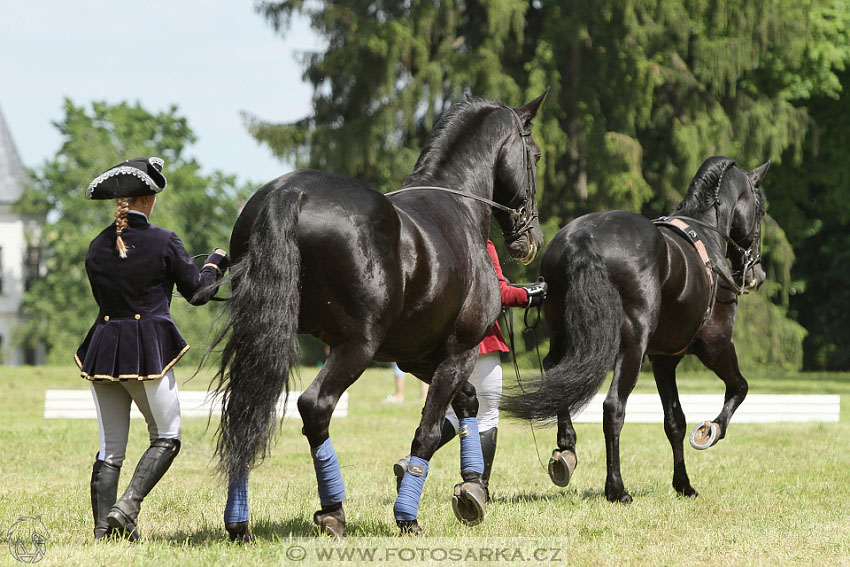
453, 192
523, 217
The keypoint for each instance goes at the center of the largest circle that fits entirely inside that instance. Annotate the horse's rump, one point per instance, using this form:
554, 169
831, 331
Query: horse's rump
584, 314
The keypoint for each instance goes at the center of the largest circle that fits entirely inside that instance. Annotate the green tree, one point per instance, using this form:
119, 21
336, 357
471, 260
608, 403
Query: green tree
200, 209
642, 92
809, 199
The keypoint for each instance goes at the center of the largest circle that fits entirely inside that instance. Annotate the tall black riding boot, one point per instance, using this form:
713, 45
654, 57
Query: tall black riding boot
447, 433
150, 469
488, 449
104, 491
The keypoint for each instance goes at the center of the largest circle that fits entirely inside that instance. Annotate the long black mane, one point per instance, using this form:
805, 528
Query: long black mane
704, 188
447, 133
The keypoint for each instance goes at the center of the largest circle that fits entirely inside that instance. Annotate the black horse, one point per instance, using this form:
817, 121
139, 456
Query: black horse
621, 286
401, 277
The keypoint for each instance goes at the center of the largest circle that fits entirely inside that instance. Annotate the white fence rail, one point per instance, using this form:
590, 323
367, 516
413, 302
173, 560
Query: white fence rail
641, 408
78, 404
756, 408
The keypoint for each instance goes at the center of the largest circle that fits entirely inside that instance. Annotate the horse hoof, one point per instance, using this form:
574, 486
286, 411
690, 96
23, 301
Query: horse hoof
330, 522
620, 497
239, 532
705, 435
687, 492
409, 527
562, 464
468, 501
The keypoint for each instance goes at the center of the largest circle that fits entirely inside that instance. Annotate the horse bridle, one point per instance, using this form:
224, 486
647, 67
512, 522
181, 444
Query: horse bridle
750, 257
523, 217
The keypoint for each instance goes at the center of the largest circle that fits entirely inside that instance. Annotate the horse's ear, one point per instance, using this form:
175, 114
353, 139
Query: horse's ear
467, 93
529, 111
757, 175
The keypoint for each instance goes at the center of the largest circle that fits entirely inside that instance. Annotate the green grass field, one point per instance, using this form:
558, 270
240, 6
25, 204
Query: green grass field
770, 494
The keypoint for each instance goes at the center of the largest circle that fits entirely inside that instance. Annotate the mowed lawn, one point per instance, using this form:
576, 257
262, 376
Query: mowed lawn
770, 494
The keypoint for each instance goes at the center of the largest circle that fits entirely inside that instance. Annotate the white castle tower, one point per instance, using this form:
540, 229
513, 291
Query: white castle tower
20, 261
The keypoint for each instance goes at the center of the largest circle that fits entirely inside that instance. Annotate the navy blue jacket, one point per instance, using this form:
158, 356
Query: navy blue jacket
134, 336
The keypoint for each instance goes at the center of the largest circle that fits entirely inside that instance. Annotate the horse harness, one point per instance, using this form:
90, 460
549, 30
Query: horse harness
750, 257
681, 227
522, 217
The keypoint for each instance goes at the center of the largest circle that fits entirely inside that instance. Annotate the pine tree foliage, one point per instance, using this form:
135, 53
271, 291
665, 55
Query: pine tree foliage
810, 202
642, 92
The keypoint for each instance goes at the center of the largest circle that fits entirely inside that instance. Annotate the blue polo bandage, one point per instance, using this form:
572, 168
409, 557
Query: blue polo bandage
328, 475
410, 492
237, 509
471, 457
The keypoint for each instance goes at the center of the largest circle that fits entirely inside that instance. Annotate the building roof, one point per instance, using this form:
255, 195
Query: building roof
12, 172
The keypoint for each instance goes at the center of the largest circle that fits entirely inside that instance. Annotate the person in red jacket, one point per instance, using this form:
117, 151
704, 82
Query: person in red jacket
487, 375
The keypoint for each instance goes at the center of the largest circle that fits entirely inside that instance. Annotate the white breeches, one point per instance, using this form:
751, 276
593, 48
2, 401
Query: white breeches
487, 379
156, 400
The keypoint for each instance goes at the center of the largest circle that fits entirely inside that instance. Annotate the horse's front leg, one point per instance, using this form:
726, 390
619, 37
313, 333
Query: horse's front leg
344, 365
675, 426
449, 374
723, 360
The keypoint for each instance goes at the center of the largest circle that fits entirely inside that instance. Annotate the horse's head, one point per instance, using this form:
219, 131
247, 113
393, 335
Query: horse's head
516, 183
745, 229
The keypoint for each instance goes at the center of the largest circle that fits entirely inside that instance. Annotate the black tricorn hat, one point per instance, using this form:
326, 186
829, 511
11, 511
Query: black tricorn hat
132, 178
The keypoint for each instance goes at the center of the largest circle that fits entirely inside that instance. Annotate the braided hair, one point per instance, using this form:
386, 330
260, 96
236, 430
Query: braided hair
122, 207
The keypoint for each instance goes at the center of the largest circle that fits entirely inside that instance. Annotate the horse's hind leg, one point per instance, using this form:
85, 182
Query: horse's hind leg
470, 496
723, 360
626, 371
675, 426
345, 364
563, 461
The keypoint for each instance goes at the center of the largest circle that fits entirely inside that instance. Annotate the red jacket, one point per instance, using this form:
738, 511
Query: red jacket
511, 297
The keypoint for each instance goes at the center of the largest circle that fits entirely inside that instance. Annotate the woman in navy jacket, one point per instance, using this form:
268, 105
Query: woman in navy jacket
130, 350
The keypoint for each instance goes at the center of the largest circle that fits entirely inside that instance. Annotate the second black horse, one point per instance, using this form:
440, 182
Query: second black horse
621, 286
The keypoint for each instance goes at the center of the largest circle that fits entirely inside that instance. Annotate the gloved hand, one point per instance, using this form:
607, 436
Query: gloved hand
537, 293
220, 259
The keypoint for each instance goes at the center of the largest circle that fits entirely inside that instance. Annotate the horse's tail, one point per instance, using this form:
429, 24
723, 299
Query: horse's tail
586, 342
261, 335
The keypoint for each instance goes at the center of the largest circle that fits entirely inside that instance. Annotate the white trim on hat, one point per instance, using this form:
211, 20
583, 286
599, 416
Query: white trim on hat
123, 170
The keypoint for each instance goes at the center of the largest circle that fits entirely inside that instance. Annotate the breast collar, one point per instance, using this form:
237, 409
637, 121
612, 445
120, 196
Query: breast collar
691, 235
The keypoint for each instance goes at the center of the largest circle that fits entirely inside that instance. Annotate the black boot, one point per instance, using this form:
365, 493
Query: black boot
488, 449
104, 491
150, 469
447, 433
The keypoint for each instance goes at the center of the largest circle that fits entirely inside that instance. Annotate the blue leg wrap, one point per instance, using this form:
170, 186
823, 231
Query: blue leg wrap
409, 493
237, 509
471, 457
328, 475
